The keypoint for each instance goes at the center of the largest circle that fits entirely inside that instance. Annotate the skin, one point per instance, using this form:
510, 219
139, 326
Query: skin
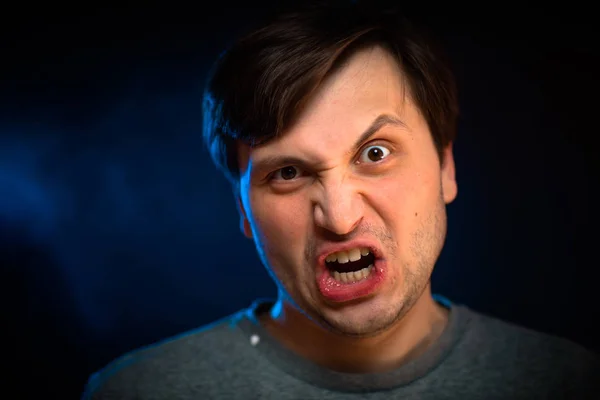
334, 193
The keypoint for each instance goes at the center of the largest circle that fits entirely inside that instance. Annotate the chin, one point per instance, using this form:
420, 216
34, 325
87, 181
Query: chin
366, 325
364, 318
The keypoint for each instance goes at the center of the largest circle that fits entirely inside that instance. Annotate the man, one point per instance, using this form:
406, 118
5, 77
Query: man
335, 126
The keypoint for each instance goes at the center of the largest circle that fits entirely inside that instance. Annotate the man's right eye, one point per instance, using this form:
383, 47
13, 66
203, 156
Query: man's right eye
286, 173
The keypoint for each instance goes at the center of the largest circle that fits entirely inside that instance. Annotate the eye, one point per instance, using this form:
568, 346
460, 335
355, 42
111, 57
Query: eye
373, 154
286, 173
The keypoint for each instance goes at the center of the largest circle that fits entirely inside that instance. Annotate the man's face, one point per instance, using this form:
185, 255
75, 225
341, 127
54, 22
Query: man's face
325, 188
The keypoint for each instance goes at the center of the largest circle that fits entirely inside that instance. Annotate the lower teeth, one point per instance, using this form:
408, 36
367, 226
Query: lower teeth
350, 277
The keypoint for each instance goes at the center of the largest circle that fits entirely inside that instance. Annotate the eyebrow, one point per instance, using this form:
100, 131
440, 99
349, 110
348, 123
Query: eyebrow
278, 161
378, 123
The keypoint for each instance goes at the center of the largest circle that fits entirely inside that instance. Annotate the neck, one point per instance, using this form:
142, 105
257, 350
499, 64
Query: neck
406, 340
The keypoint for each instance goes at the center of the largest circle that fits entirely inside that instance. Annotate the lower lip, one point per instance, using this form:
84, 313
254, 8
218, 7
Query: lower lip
339, 292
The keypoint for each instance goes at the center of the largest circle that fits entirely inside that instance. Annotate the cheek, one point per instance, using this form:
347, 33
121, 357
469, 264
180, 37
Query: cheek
281, 220
281, 228
405, 189
405, 197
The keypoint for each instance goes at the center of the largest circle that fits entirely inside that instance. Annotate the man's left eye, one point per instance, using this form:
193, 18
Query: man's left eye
374, 154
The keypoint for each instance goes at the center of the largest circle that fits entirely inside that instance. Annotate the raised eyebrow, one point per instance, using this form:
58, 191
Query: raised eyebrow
378, 123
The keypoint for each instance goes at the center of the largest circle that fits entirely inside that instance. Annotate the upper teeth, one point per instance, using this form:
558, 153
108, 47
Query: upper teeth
343, 257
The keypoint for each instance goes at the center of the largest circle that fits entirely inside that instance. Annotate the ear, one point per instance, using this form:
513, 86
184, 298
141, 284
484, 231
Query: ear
448, 175
244, 223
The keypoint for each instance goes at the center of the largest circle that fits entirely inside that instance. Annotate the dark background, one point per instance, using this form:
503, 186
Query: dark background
117, 231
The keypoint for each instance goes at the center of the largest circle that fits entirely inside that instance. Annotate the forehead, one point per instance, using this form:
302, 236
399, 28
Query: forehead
368, 84
368, 81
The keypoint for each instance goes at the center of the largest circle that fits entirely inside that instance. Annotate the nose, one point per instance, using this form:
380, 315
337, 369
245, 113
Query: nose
338, 208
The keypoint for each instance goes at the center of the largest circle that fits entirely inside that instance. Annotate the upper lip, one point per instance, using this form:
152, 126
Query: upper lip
328, 249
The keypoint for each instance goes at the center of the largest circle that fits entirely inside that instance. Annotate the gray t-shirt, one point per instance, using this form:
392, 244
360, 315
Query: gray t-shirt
476, 357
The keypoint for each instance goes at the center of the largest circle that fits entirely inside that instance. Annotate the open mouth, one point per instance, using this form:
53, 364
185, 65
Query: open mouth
351, 274
350, 266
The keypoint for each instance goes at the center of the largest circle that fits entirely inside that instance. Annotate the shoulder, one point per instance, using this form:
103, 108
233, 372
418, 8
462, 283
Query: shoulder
167, 366
519, 354
501, 335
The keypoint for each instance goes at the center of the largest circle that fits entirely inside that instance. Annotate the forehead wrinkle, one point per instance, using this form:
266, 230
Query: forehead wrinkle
314, 150
315, 146
318, 155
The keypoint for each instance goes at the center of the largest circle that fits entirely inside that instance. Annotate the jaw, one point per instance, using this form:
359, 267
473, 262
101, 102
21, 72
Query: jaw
313, 337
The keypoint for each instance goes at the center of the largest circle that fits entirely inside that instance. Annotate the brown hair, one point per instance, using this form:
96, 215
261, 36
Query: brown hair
260, 84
